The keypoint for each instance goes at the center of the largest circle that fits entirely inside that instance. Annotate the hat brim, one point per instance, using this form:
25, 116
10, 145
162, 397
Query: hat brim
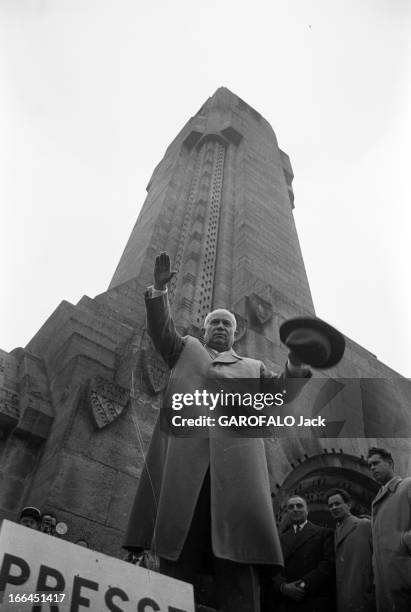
335, 338
32, 512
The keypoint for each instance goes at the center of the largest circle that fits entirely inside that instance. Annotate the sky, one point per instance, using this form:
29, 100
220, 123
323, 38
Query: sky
93, 91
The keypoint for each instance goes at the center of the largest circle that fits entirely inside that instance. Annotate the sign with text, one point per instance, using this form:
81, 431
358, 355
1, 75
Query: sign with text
41, 573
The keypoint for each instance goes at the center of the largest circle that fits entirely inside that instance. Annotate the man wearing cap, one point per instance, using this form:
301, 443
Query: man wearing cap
30, 517
206, 502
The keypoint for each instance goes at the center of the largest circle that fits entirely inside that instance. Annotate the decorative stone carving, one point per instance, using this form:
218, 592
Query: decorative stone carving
155, 371
215, 152
242, 325
9, 403
232, 135
192, 138
107, 400
260, 311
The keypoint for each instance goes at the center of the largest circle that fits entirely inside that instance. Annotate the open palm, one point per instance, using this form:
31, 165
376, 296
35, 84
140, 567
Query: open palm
162, 271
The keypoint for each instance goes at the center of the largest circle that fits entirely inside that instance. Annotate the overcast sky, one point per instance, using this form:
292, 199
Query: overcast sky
92, 93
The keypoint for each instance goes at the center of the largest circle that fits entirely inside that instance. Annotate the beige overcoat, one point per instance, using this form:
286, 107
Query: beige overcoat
353, 564
391, 518
243, 526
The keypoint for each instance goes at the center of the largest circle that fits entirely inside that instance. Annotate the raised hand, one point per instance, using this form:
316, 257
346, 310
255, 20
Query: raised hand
162, 272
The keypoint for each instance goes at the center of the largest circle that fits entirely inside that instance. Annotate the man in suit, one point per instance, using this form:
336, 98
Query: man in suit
353, 555
391, 534
307, 583
206, 501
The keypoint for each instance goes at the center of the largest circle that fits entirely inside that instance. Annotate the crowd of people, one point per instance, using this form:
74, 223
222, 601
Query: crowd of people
31, 517
364, 565
203, 504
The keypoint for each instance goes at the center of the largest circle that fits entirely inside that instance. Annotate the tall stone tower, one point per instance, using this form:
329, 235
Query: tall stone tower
79, 402
220, 202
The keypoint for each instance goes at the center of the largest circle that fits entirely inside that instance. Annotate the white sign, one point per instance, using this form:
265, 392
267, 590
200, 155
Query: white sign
42, 573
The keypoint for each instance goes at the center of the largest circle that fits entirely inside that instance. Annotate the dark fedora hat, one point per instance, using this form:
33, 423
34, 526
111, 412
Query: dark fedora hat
314, 341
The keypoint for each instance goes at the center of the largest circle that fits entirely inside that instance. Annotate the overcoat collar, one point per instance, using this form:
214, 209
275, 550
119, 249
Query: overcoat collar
386, 489
348, 525
229, 356
292, 541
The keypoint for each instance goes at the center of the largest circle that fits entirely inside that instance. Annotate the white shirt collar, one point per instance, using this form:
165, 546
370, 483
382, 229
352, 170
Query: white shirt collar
300, 526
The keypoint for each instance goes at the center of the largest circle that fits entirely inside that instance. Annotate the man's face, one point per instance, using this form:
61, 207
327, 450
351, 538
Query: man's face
297, 510
338, 507
382, 469
29, 521
219, 331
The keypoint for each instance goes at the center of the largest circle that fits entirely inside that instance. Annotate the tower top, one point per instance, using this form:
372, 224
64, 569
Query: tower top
220, 203
224, 99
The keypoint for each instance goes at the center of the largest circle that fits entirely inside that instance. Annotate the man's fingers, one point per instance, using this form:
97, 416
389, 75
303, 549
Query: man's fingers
163, 261
162, 272
294, 591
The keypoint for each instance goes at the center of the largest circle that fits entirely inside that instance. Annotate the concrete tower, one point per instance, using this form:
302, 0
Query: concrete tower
77, 405
220, 202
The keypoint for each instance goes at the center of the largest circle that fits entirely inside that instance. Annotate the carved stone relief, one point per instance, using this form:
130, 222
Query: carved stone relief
260, 311
155, 371
107, 401
242, 325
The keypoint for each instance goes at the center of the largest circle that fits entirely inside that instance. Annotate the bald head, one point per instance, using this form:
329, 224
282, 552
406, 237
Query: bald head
297, 509
220, 312
220, 326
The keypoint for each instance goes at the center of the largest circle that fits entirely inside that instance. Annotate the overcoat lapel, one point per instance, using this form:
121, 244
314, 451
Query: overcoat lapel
384, 491
229, 356
380, 495
348, 526
292, 541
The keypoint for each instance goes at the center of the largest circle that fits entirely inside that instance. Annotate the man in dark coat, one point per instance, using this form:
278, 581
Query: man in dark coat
353, 556
207, 499
307, 583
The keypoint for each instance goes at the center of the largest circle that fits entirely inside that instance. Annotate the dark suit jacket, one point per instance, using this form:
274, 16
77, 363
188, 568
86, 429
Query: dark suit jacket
309, 556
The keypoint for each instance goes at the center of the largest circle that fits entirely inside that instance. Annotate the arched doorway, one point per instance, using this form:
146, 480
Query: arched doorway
315, 476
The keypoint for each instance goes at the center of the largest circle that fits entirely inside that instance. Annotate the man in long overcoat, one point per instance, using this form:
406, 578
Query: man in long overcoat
353, 556
391, 534
202, 499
